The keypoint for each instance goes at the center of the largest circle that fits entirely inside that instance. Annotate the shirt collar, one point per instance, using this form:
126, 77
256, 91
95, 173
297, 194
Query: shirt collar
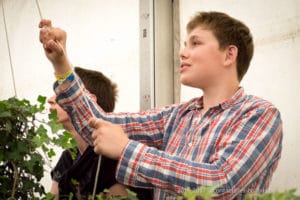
235, 99
197, 103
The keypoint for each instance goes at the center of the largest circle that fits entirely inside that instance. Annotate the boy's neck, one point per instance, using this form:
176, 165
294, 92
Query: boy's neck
215, 96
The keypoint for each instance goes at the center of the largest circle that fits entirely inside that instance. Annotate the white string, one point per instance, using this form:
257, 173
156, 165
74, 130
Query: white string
39, 8
9, 51
96, 178
86, 101
99, 159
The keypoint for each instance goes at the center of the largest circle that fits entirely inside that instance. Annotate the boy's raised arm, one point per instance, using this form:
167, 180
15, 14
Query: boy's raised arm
54, 44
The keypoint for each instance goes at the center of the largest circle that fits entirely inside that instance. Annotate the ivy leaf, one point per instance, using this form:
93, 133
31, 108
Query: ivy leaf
45, 148
11, 155
8, 126
4, 114
53, 115
41, 99
51, 153
42, 132
131, 195
55, 127
49, 196
36, 140
204, 192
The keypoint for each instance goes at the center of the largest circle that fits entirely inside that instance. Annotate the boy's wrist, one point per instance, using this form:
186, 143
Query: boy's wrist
62, 68
69, 75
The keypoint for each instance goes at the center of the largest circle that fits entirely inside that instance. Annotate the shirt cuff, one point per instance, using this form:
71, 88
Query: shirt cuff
68, 94
129, 162
67, 88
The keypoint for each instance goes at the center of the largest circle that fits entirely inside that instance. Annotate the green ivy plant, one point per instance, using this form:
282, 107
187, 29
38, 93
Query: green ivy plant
28, 136
26, 145
208, 192
102, 196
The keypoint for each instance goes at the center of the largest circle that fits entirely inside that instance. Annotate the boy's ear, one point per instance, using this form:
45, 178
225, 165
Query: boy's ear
231, 54
94, 97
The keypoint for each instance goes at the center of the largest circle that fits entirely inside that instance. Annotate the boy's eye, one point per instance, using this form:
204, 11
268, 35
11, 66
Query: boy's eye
194, 43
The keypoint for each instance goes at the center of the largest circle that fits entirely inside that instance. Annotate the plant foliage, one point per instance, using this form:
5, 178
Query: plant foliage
26, 146
208, 192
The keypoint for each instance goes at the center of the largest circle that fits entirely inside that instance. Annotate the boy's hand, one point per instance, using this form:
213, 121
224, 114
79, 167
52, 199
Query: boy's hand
109, 138
54, 44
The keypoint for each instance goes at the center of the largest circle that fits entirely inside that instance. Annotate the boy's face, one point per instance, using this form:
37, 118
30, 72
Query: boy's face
201, 59
61, 113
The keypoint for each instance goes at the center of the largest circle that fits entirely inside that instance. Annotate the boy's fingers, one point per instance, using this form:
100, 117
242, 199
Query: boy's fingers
44, 34
55, 46
45, 23
95, 123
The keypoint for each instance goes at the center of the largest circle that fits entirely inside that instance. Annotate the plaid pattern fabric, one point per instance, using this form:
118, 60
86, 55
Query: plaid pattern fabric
236, 145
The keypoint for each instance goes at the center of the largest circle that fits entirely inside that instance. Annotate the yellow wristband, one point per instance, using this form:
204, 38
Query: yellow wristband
64, 76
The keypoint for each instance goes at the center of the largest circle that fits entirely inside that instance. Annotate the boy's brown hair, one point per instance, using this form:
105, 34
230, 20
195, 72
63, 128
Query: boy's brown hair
228, 31
99, 85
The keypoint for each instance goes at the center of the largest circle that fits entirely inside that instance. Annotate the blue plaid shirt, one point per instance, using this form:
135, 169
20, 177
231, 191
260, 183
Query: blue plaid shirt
236, 145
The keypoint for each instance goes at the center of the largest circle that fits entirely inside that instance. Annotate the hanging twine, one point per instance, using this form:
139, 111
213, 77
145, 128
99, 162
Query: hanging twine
39, 8
9, 51
99, 159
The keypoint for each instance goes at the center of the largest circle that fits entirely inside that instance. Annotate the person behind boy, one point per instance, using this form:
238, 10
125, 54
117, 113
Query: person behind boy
225, 138
83, 167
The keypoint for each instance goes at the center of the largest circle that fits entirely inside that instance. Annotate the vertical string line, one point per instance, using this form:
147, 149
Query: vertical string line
39, 8
99, 159
9, 51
